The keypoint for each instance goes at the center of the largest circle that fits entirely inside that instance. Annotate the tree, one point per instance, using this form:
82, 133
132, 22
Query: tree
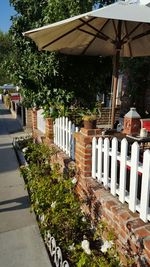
5, 55
51, 77
138, 75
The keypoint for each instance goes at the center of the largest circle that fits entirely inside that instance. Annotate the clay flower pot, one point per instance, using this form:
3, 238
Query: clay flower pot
89, 122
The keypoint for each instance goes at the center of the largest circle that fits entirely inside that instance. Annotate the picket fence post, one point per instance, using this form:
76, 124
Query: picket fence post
99, 155
106, 161
123, 164
114, 151
63, 135
105, 171
67, 141
63, 138
145, 190
94, 143
134, 177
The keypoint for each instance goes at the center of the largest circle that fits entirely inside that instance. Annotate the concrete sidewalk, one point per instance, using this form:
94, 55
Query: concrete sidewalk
20, 242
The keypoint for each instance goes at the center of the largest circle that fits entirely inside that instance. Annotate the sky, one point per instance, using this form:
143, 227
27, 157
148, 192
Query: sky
6, 11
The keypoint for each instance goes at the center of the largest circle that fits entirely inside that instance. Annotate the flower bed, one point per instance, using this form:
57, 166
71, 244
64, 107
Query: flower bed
54, 200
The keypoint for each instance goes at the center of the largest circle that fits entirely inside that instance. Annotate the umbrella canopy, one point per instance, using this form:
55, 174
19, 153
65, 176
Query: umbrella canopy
120, 29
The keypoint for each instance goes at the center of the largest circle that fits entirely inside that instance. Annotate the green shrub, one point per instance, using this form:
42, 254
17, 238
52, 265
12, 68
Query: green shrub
57, 207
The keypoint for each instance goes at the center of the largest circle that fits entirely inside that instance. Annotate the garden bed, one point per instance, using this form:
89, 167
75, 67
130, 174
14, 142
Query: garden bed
57, 207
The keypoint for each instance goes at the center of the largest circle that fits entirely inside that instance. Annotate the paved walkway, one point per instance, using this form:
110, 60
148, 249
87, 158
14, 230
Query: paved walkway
20, 242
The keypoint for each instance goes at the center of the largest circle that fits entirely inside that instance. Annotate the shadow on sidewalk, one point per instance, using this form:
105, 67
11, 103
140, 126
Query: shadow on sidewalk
9, 126
8, 160
16, 204
4, 111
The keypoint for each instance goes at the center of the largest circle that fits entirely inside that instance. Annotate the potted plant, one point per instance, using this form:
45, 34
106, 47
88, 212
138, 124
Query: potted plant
89, 121
90, 116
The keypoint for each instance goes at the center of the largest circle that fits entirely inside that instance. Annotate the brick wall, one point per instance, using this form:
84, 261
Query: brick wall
105, 118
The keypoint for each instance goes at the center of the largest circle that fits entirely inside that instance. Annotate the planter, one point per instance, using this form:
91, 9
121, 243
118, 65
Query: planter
89, 124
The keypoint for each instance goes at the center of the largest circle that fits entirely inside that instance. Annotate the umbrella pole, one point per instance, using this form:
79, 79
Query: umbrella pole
115, 83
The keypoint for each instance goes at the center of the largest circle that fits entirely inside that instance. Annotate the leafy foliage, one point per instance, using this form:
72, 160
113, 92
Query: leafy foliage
56, 204
138, 74
5, 55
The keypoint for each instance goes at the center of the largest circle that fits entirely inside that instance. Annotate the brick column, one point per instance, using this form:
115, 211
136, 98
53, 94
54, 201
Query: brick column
83, 150
49, 130
34, 119
28, 118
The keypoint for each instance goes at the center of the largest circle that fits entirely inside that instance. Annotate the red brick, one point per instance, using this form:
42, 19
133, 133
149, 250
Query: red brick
142, 232
123, 216
83, 148
134, 224
148, 259
110, 203
147, 243
133, 246
86, 174
87, 132
123, 234
87, 162
86, 168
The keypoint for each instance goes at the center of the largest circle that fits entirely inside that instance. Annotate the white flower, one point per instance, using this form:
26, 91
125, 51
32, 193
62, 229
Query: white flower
72, 247
107, 245
86, 246
74, 180
42, 218
36, 202
53, 205
24, 149
48, 234
83, 219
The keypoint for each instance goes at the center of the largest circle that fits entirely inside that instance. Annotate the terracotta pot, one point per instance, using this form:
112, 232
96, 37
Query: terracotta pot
91, 124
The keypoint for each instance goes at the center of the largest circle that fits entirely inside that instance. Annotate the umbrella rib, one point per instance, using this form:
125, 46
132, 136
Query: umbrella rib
128, 38
135, 28
98, 31
93, 34
140, 35
115, 29
63, 35
85, 49
83, 52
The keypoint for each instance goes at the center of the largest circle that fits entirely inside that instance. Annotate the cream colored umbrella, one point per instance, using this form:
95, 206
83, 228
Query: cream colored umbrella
121, 29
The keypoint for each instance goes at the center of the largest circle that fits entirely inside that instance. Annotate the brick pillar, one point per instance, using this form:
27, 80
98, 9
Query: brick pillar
34, 119
28, 118
83, 151
49, 130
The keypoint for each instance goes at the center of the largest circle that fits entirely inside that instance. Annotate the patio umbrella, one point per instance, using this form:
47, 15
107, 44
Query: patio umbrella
121, 29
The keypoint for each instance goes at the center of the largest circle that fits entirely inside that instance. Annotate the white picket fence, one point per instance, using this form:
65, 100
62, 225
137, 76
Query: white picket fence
123, 174
63, 135
41, 125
